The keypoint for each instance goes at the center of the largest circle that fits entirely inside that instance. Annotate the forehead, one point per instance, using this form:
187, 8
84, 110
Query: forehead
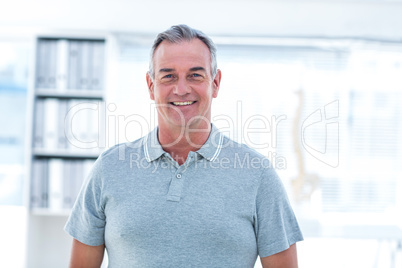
186, 54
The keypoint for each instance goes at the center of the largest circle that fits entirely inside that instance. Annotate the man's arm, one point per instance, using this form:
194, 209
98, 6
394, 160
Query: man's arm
86, 256
284, 259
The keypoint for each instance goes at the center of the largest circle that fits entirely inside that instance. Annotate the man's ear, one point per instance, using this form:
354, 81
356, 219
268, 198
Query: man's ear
217, 83
150, 84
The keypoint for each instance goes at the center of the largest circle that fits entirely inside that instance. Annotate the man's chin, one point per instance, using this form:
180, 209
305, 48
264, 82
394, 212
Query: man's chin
191, 123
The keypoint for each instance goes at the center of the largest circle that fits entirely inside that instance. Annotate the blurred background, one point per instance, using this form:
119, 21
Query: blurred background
315, 86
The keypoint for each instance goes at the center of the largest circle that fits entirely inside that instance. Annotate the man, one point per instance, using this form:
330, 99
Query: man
184, 195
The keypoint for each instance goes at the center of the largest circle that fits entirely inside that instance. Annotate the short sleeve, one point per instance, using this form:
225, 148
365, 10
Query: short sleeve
275, 225
87, 219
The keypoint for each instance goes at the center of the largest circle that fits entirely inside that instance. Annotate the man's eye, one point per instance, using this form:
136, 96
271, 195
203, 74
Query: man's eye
168, 76
195, 75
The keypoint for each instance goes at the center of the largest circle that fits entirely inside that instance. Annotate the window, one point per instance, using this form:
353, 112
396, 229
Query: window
13, 89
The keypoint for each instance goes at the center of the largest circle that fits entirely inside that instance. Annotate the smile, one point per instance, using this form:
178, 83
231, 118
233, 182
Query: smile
182, 103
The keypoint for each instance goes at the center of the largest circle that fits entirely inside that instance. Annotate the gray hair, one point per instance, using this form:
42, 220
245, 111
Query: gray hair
179, 33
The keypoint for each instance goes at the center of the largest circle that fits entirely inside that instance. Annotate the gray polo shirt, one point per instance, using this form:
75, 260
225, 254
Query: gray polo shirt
221, 208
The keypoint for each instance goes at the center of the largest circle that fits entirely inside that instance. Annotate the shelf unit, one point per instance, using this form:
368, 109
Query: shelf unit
66, 93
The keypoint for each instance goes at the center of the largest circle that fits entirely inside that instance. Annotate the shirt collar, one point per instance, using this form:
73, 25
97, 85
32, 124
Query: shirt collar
152, 148
210, 150
212, 147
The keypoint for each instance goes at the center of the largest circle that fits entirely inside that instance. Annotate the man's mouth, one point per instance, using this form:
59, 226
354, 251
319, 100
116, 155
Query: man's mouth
182, 103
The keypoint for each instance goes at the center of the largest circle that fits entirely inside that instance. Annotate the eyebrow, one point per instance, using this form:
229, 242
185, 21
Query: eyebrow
166, 70
193, 69
197, 69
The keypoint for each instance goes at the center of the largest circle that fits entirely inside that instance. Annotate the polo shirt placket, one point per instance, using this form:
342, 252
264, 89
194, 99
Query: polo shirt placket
210, 151
178, 179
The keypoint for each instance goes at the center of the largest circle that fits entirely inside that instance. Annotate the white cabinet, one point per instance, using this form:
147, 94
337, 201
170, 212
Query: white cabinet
66, 100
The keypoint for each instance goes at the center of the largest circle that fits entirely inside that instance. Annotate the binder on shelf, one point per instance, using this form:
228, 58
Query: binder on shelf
55, 179
73, 172
73, 64
82, 125
45, 184
62, 113
62, 64
39, 184
70, 64
38, 124
46, 67
84, 65
66, 125
93, 127
38, 179
51, 123
78, 179
90, 59
73, 139
68, 200
52, 64
97, 67
57, 182
40, 65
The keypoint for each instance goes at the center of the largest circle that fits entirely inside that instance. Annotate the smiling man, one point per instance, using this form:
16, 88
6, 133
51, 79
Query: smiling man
199, 207
183, 86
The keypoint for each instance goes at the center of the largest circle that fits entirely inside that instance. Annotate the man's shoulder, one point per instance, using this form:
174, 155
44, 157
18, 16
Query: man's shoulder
240, 160
123, 150
243, 157
236, 148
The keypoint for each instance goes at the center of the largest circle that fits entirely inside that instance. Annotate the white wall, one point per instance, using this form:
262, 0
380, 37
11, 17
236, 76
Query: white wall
336, 18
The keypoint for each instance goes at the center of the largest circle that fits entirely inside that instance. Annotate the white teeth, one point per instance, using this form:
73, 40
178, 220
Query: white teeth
182, 103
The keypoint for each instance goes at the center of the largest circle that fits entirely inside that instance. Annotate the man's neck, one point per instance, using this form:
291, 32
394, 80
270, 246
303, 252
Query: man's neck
178, 142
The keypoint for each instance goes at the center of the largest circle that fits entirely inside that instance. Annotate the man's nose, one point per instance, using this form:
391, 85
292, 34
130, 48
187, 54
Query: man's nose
182, 87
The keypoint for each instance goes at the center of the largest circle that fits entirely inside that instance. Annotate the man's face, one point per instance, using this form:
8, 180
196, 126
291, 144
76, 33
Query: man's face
183, 86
